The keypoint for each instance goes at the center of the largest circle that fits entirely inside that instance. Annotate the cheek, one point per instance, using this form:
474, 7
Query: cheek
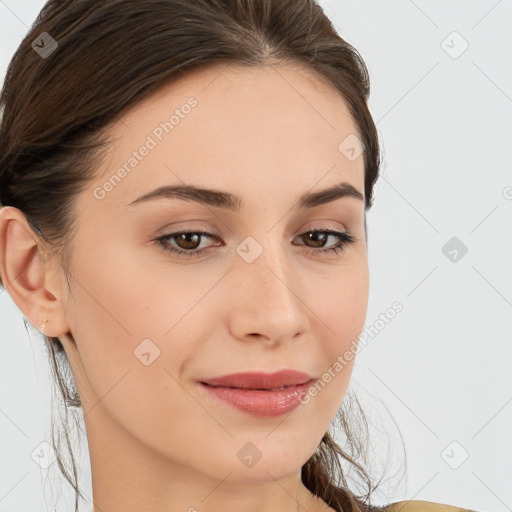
340, 301
340, 308
125, 319
130, 365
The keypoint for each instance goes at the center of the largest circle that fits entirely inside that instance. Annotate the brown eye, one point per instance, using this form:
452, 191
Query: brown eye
188, 241
318, 238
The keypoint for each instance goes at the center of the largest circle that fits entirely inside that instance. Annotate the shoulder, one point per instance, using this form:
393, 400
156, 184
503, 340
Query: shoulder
423, 506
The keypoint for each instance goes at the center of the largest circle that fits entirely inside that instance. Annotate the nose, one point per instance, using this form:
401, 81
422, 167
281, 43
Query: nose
265, 301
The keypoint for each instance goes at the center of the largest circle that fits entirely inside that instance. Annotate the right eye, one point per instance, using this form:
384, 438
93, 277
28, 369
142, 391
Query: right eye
183, 236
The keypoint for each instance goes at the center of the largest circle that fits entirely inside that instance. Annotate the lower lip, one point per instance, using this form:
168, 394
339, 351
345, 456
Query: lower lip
260, 402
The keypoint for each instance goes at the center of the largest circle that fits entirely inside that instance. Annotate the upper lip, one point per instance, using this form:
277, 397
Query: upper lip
260, 380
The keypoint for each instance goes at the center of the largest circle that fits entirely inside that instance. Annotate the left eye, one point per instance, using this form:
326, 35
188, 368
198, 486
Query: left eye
190, 241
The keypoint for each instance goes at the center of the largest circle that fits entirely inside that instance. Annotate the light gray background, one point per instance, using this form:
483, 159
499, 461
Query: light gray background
442, 368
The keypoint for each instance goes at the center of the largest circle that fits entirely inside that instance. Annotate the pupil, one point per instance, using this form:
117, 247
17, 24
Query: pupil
186, 236
315, 236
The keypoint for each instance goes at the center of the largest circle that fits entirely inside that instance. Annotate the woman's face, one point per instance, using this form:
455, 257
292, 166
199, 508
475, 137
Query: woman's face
262, 296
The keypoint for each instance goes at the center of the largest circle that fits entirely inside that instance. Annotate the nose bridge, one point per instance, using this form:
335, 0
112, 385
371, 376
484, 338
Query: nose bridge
270, 273
264, 296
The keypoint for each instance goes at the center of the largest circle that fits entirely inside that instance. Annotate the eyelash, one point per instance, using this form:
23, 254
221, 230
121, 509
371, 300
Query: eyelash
345, 238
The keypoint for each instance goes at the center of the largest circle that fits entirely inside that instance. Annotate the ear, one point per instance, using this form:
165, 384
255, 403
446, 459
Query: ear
25, 269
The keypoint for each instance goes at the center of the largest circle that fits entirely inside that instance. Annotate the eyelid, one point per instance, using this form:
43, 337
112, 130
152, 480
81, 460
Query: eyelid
188, 227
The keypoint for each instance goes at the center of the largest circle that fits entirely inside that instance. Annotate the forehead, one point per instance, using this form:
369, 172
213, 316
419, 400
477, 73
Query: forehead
234, 128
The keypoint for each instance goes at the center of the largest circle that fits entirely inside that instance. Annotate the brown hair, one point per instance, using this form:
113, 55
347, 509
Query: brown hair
111, 55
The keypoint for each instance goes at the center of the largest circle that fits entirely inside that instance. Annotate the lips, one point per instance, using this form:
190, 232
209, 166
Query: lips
260, 380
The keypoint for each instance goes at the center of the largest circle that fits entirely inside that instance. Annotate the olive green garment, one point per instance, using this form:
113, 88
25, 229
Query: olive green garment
424, 506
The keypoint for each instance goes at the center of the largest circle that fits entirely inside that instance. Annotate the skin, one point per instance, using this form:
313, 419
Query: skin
157, 441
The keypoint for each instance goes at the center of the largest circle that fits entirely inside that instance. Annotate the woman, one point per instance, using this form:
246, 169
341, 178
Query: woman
184, 187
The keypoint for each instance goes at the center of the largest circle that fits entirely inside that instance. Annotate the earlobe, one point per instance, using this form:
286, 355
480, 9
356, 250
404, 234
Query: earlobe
25, 275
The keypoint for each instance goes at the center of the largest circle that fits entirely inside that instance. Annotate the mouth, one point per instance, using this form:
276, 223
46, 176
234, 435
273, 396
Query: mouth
260, 381
257, 389
257, 400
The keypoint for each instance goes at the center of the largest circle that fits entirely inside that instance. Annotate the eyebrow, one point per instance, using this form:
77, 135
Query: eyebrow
226, 200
